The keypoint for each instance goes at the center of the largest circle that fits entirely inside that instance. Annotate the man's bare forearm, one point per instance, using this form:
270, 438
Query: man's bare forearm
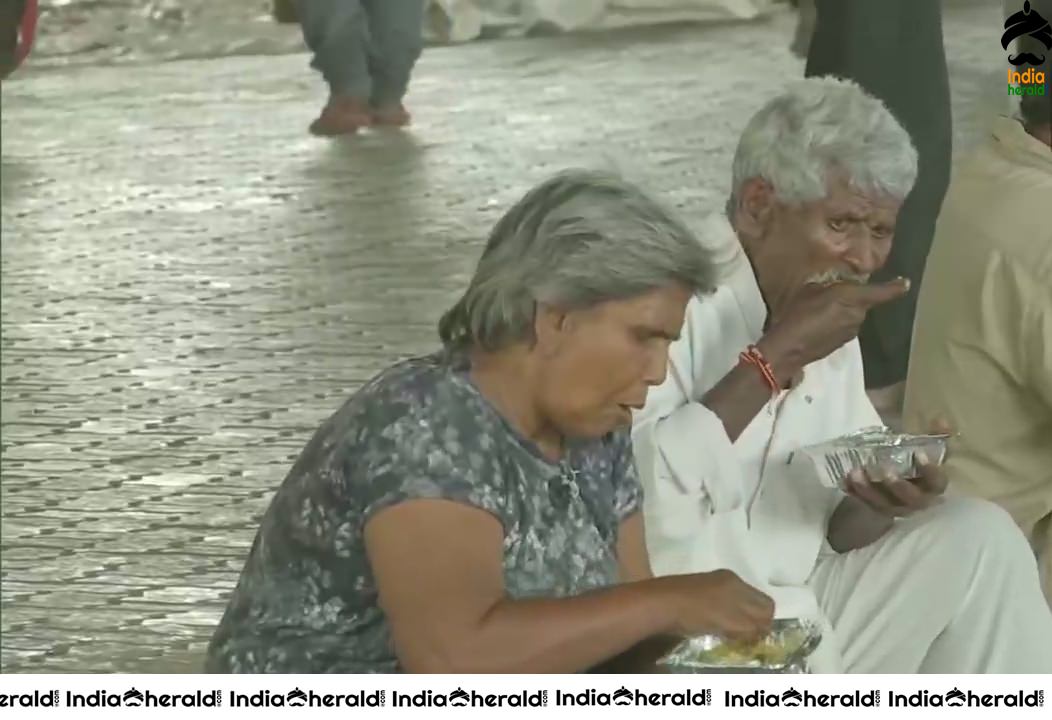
855, 525
743, 392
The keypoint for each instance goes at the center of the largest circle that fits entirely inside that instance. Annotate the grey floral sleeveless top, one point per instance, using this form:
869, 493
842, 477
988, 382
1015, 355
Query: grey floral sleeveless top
306, 601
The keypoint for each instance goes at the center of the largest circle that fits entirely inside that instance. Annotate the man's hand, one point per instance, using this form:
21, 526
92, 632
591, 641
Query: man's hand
894, 495
820, 320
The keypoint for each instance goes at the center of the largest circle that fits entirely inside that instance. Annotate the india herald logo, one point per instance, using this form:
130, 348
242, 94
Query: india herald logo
296, 698
1027, 23
459, 698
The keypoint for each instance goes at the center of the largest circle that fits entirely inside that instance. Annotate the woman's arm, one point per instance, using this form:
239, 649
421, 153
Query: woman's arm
439, 571
634, 565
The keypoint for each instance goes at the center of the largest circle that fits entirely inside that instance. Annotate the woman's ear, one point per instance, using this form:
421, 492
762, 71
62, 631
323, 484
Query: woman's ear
549, 328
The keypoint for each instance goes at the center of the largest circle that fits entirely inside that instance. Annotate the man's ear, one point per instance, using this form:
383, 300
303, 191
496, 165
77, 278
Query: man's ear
755, 206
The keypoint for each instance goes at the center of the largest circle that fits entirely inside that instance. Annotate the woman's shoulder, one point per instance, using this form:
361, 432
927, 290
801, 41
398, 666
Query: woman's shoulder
421, 399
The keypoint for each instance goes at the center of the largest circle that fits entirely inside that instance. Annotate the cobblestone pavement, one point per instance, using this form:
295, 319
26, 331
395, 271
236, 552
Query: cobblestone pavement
191, 283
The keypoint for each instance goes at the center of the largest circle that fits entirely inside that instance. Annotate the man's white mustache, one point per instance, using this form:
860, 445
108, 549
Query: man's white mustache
832, 277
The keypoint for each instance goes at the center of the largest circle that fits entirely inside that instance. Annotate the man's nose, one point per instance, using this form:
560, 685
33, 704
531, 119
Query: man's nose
865, 256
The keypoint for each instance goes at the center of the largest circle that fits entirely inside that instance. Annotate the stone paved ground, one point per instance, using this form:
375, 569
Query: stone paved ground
191, 283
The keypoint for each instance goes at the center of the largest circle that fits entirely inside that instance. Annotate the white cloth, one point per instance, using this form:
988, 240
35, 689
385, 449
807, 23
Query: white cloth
950, 590
711, 503
464, 20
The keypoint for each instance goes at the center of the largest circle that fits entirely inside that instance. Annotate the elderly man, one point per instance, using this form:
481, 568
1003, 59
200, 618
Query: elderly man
865, 41
903, 580
477, 509
983, 341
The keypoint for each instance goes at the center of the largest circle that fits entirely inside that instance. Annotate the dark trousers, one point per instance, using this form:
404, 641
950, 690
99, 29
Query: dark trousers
364, 49
893, 49
11, 12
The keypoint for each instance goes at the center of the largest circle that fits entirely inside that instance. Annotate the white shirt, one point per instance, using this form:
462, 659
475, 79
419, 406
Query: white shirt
710, 503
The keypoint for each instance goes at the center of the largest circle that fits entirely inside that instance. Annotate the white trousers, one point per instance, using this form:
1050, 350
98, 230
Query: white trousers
951, 590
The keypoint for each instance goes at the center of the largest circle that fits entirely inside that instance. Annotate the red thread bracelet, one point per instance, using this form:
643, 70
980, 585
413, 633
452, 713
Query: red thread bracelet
753, 356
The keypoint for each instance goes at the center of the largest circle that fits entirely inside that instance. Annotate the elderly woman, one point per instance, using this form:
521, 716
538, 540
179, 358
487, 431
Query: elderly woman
477, 510
903, 579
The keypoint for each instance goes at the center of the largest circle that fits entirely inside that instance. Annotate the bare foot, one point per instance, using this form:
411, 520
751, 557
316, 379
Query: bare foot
341, 116
391, 116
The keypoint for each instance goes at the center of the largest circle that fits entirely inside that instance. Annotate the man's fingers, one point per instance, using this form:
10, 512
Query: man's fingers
907, 495
941, 426
880, 293
930, 476
864, 489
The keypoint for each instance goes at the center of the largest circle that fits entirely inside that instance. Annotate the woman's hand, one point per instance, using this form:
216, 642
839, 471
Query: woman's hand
717, 602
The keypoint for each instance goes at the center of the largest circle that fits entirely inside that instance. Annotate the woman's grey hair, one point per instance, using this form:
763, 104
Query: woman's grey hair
578, 239
818, 127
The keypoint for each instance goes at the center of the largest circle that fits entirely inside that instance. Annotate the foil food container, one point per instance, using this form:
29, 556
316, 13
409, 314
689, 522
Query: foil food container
785, 649
831, 462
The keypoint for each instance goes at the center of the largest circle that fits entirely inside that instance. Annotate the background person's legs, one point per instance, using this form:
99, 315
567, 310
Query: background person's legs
337, 32
396, 40
11, 12
894, 50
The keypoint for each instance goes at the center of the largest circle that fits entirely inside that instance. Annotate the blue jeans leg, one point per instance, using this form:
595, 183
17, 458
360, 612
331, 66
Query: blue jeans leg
396, 29
337, 32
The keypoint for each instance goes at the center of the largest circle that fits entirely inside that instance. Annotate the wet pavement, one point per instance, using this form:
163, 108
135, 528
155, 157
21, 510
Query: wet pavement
191, 283
74, 32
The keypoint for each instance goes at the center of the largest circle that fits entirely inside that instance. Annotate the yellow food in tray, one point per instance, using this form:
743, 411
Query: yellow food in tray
774, 651
785, 649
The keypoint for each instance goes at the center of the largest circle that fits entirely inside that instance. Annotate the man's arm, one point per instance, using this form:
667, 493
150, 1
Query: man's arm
854, 525
818, 322
743, 392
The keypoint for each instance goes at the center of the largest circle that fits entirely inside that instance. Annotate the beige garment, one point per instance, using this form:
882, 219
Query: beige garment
982, 345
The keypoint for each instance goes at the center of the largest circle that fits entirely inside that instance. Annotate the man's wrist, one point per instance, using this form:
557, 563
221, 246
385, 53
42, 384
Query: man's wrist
781, 356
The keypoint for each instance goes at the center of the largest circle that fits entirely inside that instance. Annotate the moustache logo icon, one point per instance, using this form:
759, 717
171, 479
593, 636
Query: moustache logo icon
792, 697
297, 698
622, 697
133, 698
459, 698
955, 698
1027, 59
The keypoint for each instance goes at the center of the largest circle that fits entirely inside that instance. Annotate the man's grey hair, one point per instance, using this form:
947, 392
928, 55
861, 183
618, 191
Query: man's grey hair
818, 127
578, 239
1036, 110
